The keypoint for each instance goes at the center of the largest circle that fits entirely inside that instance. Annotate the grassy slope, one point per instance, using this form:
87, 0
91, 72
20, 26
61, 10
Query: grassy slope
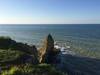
8, 55
29, 69
12, 62
23, 69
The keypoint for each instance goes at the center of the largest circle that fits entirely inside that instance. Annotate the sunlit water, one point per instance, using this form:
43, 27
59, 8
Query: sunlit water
82, 39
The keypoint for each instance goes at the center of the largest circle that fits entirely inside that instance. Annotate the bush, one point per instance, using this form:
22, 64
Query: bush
5, 42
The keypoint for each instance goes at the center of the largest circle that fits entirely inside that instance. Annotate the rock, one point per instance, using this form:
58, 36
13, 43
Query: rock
47, 54
49, 43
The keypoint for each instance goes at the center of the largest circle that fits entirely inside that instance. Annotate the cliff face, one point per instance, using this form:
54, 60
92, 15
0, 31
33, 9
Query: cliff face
47, 54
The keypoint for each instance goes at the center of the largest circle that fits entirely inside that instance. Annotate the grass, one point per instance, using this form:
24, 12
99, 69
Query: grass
8, 55
29, 69
23, 69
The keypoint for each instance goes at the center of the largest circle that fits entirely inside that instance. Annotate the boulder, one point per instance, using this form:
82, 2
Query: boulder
48, 53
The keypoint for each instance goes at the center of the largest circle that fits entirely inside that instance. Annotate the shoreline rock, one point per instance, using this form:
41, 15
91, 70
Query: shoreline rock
48, 53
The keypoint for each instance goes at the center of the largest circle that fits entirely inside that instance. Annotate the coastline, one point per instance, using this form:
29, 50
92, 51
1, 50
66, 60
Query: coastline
50, 55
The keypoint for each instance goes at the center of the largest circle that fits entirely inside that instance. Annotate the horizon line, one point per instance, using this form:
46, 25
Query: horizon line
50, 24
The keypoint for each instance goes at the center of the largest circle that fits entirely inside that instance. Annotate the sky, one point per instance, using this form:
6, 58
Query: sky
49, 11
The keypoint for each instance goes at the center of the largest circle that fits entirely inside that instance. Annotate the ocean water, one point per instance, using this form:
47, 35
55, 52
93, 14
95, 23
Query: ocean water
83, 39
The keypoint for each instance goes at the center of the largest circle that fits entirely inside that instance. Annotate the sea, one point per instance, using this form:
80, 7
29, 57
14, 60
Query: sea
82, 39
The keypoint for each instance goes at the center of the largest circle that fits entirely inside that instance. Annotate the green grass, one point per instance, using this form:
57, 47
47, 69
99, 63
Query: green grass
8, 55
29, 69
24, 69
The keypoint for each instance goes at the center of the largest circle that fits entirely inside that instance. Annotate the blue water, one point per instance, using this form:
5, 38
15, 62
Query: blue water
78, 36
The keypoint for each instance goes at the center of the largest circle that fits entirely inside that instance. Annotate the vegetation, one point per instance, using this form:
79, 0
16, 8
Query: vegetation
8, 55
21, 59
5, 42
29, 69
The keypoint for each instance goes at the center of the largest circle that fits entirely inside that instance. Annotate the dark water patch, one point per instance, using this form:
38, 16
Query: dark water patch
75, 65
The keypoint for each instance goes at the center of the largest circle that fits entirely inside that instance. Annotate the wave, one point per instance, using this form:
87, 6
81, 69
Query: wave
65, 49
